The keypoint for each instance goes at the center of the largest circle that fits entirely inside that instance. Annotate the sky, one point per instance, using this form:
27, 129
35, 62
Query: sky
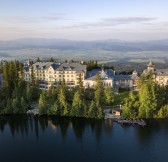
84, 19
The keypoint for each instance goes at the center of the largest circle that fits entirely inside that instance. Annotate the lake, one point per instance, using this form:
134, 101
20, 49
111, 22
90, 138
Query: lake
27, 139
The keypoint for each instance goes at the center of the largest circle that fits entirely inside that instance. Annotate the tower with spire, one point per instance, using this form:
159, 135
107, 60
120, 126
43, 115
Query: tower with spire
150, 67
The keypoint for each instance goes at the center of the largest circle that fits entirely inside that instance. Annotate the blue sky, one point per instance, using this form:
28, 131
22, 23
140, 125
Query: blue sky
84, 19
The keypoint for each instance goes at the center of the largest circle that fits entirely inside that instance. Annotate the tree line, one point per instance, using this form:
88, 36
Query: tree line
76, 101
151, 101
16, 96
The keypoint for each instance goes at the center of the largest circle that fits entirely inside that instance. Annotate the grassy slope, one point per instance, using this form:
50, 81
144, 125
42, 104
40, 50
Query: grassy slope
119, 98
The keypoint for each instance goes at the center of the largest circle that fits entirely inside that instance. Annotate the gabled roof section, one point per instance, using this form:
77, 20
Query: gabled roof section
55, 65
161, 72
45, 65
105, 74
26, 69
151, 64
122, 77
72, 67
41, 65
60, 67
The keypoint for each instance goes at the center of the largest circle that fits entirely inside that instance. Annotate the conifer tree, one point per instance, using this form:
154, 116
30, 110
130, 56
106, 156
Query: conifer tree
8, 109
32, 77
99, 114
38, 59
6, 75
130, 107
51, 59
147, 98
16, 105
84, 109
54, 110
42, 104
98, 97
51, 94
76, 109
163, 112
92, 113
62, 100
109, 95
23, 105
80, 85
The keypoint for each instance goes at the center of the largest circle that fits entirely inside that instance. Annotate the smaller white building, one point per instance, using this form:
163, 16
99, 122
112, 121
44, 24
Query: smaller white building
106, 76
123, 81
109, 78
161, 76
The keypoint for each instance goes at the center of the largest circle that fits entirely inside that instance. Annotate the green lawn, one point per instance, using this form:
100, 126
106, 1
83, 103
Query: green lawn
119, 98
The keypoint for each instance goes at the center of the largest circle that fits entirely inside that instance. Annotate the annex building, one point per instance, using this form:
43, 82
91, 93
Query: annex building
109, 78
160, 75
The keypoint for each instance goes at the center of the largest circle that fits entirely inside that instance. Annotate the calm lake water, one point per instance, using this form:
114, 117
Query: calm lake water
25, 139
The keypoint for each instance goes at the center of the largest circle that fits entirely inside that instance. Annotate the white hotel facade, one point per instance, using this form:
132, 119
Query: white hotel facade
52, 74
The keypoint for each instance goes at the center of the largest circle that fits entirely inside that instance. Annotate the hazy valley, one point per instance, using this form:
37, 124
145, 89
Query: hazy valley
115, 52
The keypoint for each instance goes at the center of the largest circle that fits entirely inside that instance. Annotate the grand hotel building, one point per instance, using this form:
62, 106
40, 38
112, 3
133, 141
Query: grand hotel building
51, 74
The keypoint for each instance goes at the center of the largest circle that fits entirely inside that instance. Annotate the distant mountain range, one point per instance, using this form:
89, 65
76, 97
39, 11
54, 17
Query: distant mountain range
107, 45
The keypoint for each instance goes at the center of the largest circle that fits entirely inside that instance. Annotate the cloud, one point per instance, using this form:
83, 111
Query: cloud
112, 27
110, 22
33, 19
126, 20
55, 17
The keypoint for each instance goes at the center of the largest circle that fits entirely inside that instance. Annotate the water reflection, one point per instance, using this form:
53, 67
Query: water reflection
151, 130
66, 139
17, 124
26, 125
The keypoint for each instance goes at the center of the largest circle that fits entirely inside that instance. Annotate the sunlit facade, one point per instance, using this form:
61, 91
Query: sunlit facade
49, 74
